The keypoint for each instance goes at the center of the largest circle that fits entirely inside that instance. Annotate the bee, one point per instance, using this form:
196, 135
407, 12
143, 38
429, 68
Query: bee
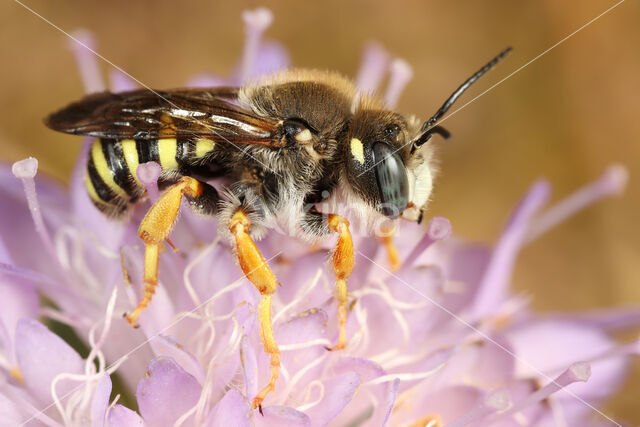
297, 140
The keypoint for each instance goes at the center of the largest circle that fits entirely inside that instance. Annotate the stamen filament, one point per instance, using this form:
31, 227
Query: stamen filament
256, 22
577, 372
26, 170
612, 182
148, 174
373, 67
86, 61
495, 401
439, 229
400, 75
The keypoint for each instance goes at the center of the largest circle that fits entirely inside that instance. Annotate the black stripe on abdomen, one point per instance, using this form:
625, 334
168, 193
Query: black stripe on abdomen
117, 164
102, 189
147, 151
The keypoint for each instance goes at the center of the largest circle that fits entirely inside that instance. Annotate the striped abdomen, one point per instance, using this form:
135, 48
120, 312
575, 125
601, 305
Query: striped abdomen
111, 179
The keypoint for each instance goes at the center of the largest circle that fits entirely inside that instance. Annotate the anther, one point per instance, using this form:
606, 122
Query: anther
148, 174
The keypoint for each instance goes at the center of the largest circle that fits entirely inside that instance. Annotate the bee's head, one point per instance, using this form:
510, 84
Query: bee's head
381, 167
390, 163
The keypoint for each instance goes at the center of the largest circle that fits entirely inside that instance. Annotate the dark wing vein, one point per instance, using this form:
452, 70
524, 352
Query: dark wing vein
145, 114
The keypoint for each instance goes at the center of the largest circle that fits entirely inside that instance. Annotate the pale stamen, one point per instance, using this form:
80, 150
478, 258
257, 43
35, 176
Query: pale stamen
372, 68
256, 22
300, 374
407, 376
302, 294
612, 182
148, 174
86, 60
496, 401
577, 372
120, 82
26, 170
439, 229
310, 405
400, 75
187, 271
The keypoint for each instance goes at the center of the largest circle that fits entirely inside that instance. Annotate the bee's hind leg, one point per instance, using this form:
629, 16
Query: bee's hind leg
258, 272
157, 224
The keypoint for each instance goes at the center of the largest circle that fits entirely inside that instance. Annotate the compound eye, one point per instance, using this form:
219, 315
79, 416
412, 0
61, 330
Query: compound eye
391, 176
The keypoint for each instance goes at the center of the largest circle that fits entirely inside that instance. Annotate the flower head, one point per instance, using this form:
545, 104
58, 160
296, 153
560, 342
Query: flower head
442, 340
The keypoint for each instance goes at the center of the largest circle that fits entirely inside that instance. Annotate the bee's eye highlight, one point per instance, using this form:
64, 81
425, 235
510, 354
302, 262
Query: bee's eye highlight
392, 180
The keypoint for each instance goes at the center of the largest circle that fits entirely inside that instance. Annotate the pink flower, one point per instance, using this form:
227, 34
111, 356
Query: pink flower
442, 340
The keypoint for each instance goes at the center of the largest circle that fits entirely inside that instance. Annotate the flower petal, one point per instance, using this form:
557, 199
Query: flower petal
272, 57
282, 416
249, 366
307, 327
166, 346
608, 318
565, 343
495, 281
9, 413
166, 392
338, 392
448, 403
19, 299
100, 402
41, 356
384, 411
121, 416
231, 410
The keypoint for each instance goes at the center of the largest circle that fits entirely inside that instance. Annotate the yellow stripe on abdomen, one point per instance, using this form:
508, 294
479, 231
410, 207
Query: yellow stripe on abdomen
167, 149
204, 147
103, 169
131, 157
93, 194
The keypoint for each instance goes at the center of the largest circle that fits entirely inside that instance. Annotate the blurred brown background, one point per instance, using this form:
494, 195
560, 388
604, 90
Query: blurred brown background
565, 117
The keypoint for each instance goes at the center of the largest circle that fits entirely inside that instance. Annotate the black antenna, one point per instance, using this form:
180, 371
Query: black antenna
427, 128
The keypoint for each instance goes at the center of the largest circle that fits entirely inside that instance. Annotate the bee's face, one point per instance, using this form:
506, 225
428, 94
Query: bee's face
380, 165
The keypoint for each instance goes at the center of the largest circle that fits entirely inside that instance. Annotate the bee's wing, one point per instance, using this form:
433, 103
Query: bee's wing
146, 114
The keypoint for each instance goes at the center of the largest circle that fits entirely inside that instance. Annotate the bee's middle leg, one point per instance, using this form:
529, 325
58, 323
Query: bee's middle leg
392, 251
157, 224
342, 261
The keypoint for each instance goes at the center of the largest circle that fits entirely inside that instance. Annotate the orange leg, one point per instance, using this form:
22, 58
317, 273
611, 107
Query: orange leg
343, 261
392, 252
258, 272
153, 231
